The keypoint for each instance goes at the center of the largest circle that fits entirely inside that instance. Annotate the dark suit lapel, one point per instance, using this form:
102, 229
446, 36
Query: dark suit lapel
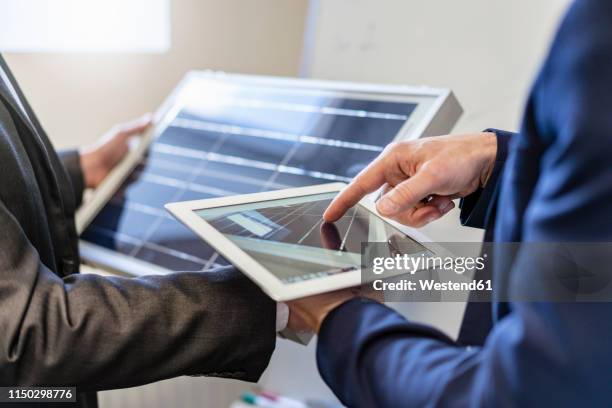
30, 135
28, 119
49, 172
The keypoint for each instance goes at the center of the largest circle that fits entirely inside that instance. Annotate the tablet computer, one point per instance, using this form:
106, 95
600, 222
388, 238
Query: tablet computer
280, 240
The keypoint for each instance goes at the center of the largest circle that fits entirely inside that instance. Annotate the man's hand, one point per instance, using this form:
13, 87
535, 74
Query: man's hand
310, 312
421, 177
98, 160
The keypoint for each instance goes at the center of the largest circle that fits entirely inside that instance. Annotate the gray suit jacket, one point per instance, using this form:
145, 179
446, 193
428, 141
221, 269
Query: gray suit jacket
61, 328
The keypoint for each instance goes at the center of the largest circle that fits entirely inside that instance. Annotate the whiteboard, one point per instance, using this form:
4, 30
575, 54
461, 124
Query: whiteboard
486, 51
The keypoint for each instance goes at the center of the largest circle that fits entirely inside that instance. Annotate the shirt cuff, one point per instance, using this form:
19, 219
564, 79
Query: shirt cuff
475, 207
282, 316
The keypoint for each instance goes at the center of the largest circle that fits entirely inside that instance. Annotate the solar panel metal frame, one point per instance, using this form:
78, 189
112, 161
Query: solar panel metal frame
437, 112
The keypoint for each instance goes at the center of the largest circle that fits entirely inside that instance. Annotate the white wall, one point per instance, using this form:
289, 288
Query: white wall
487, 51
78, 97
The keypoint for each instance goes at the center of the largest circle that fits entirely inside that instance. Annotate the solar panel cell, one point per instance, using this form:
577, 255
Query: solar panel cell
332, 159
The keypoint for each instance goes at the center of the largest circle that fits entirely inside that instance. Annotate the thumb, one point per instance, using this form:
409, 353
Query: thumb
407, 194
136, 126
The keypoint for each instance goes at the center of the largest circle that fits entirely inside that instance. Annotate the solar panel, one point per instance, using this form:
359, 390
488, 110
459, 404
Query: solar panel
224, 136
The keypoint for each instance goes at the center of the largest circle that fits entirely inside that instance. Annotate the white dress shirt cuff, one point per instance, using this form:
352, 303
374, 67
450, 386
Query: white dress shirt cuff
282, 316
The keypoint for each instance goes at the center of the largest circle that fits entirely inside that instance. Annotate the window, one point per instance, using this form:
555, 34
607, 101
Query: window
85, 26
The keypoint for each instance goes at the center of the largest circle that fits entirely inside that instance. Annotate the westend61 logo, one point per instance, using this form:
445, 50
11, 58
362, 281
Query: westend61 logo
411, 264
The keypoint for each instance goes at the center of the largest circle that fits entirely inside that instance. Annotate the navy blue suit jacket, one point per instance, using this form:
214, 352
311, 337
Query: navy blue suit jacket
555, 186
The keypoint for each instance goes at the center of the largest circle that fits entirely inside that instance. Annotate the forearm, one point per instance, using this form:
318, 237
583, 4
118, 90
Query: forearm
387, 361
100, 333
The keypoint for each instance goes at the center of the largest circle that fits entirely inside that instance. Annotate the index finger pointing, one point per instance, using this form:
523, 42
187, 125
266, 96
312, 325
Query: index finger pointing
366, 182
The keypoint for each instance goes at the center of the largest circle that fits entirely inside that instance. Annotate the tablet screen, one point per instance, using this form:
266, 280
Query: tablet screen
290, 238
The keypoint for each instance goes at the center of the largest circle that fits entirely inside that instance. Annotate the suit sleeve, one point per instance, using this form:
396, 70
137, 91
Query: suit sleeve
71, 160
477, 208
99, 333
540, 353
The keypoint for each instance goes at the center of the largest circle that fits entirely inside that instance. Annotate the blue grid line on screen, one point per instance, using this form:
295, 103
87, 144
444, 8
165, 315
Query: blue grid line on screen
250, 141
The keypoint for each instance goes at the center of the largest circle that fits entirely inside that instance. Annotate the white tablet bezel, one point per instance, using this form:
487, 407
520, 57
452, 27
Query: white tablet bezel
186, 213
436, 113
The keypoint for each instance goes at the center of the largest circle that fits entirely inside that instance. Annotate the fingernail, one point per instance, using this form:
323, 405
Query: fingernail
146, 118
387, 206
446, 208
431, 218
